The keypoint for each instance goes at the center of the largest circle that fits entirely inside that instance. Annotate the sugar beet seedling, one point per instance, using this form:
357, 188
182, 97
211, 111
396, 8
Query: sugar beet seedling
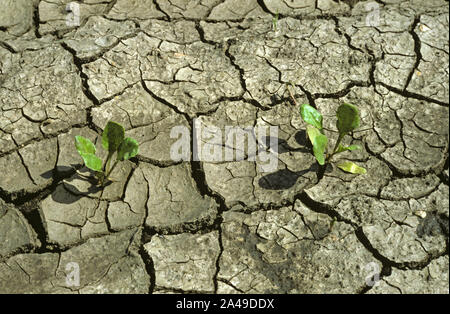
347, 121
114, 141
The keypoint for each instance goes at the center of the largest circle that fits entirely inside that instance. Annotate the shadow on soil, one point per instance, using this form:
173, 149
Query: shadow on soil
71, 192
285, 179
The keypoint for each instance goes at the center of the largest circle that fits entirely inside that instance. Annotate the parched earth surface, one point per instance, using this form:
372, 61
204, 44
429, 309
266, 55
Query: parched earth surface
189, 226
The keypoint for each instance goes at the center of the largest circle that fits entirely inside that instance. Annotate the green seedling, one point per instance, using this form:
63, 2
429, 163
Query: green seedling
275, 21
113, 141
347, 121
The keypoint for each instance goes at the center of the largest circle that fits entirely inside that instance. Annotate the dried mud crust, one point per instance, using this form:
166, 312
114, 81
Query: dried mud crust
168, 226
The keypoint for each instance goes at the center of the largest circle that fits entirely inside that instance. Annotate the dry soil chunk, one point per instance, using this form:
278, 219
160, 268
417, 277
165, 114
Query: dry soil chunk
410, 187
98, 35
185, 261
17, 179
400, 243
174, 198
15, 232
433, 279
16, 16
274, 251
139, 9
195, 9
106, 265
42, 95
432, 72
59, 15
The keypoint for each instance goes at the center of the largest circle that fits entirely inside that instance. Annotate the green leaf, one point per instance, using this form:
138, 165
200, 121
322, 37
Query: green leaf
312, 132
127, 149
112, 136
347, 118
311, 116
319, 147
353, 147
92, 162
351, 167
84, 145
343, 148
319, 142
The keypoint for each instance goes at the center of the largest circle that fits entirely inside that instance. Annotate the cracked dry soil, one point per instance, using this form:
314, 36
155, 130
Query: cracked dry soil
205, 227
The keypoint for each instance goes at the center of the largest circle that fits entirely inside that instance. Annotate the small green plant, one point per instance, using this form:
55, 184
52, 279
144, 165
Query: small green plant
275, 21
114, 141
347, 121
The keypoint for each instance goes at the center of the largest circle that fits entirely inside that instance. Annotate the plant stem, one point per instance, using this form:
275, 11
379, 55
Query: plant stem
100, 176
274, 21
112, 168
106, 164
336, 146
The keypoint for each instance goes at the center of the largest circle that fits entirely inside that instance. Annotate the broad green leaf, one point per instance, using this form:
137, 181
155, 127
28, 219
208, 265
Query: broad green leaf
312, 132
319, 147
92, 162
347, 118
319, 142
129, 148
343, 148
84, 145
351, 167
311, 116
112, 136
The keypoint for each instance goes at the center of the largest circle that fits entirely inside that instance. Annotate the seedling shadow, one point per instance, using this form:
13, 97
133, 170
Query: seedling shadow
73, 193
285, 178
47, 174
282, 179
60, 171
284, 147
